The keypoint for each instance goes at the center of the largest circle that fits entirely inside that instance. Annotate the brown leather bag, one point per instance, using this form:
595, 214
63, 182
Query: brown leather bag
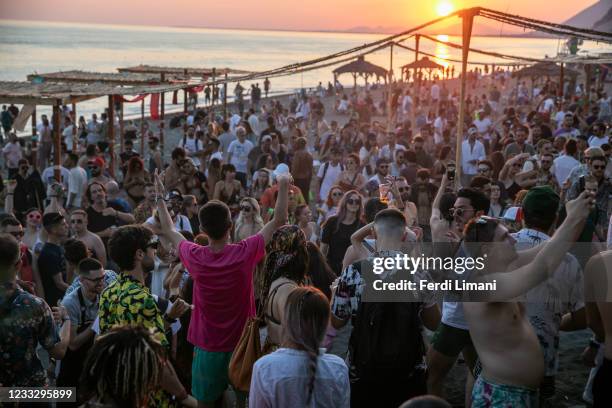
247, 351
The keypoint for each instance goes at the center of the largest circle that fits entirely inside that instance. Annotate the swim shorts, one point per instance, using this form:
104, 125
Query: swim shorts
487, 394
209, 378
450, 341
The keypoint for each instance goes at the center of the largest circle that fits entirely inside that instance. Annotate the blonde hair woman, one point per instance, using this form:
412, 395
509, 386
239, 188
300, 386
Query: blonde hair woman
249, 221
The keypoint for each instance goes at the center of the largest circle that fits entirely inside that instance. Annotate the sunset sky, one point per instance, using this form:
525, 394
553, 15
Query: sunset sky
271, 14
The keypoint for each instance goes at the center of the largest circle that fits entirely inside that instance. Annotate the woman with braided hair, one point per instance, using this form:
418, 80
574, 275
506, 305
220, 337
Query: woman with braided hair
122, 369
285, 268
300, 374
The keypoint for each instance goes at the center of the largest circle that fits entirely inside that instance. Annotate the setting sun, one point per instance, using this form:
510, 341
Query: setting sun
444, 8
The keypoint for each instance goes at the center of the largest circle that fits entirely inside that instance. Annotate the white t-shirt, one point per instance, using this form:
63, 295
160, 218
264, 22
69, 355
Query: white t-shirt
483, 127
435, 92
563, 166
332, 174
13, 154
182, 223
239, 154
67, 133
49, 172
191, 146
547, 105
77, 184
595, 141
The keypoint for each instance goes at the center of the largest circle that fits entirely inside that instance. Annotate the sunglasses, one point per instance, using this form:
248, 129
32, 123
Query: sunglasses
245, 208
17, 234
483, 169
76, 221
95, 281
337, 194
353, 201
403, 189
599, 167
517, 165
385, 166
458, 212
34, 216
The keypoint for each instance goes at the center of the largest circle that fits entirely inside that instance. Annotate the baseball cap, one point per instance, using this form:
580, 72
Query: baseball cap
281, 169
540, 200
98, 161
472, 130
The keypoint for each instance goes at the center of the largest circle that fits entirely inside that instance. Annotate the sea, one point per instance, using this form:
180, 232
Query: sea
39, 47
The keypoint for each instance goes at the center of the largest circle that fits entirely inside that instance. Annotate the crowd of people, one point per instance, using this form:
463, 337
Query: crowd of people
138, 284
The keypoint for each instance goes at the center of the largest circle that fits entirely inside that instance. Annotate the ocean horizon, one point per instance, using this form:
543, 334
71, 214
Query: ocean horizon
29, 47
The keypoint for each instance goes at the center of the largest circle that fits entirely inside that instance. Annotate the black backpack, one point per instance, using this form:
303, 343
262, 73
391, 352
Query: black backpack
386, 340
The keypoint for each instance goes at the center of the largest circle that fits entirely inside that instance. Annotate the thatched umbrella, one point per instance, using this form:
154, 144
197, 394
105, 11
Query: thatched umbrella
361, 67
544, 69
423, 63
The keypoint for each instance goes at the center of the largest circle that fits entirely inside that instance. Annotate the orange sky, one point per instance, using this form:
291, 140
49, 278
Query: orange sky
271, 14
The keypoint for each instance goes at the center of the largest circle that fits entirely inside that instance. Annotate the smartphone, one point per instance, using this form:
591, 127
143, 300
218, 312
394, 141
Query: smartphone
581, 184
450, 172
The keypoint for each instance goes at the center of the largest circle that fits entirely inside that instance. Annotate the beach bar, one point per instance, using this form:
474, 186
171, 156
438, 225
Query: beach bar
58, 94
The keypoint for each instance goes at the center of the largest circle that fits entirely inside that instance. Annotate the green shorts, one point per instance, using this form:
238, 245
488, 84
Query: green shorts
209, 377
450, 341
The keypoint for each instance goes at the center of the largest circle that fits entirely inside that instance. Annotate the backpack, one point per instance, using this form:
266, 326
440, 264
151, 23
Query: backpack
386, 341
326, 166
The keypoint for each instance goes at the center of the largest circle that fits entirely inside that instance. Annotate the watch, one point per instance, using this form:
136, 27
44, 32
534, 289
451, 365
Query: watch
168, 319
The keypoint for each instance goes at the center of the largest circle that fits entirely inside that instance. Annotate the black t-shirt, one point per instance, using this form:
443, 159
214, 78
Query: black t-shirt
338, 241
97, 222
51, 262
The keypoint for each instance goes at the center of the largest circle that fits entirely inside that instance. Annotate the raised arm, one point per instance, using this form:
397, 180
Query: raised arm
280, 210
515, 283
167, 230
435, 207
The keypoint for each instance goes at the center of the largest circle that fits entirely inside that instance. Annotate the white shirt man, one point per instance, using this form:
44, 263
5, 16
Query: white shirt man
254, 123
328, 174
192, 145
77, 185
483, 126
406, 104
472, 151
435, 92
563, 165
238, 154
12, 154
49, 173
67, 133
547, 106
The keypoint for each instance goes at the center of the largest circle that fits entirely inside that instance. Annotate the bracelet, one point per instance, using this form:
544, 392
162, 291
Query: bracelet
168, 319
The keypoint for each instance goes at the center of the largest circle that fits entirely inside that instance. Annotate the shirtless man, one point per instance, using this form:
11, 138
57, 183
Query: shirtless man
598, 289
508, 348
78, 223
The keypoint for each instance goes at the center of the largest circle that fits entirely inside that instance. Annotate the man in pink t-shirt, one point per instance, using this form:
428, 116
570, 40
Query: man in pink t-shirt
223, 296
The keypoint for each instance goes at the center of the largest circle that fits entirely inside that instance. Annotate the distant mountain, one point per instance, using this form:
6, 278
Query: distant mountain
449, 27
597, 16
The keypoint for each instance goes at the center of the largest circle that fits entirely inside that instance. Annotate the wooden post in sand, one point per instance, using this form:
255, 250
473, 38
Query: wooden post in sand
162, 116
111, 134
225, 98
57, 157
142, 128
75, 144
468, 20
390, 91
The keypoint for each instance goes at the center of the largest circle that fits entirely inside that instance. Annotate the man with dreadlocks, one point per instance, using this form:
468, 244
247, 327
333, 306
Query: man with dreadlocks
123, 368
223, 295
129, 302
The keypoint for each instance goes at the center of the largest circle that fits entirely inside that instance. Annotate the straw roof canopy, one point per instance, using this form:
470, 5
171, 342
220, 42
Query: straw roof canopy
63, 93
361, 66
151, 69
544, 69
123, 78
423, 63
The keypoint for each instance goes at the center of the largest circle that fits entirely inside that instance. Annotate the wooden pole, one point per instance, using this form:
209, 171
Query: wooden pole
34, 151
75, 144
225, 98
185, 97
561, 80
390, 96
468, 20
121, 135
57, 158
416, 82
212, 87
162, 115
142, 128
111, 134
